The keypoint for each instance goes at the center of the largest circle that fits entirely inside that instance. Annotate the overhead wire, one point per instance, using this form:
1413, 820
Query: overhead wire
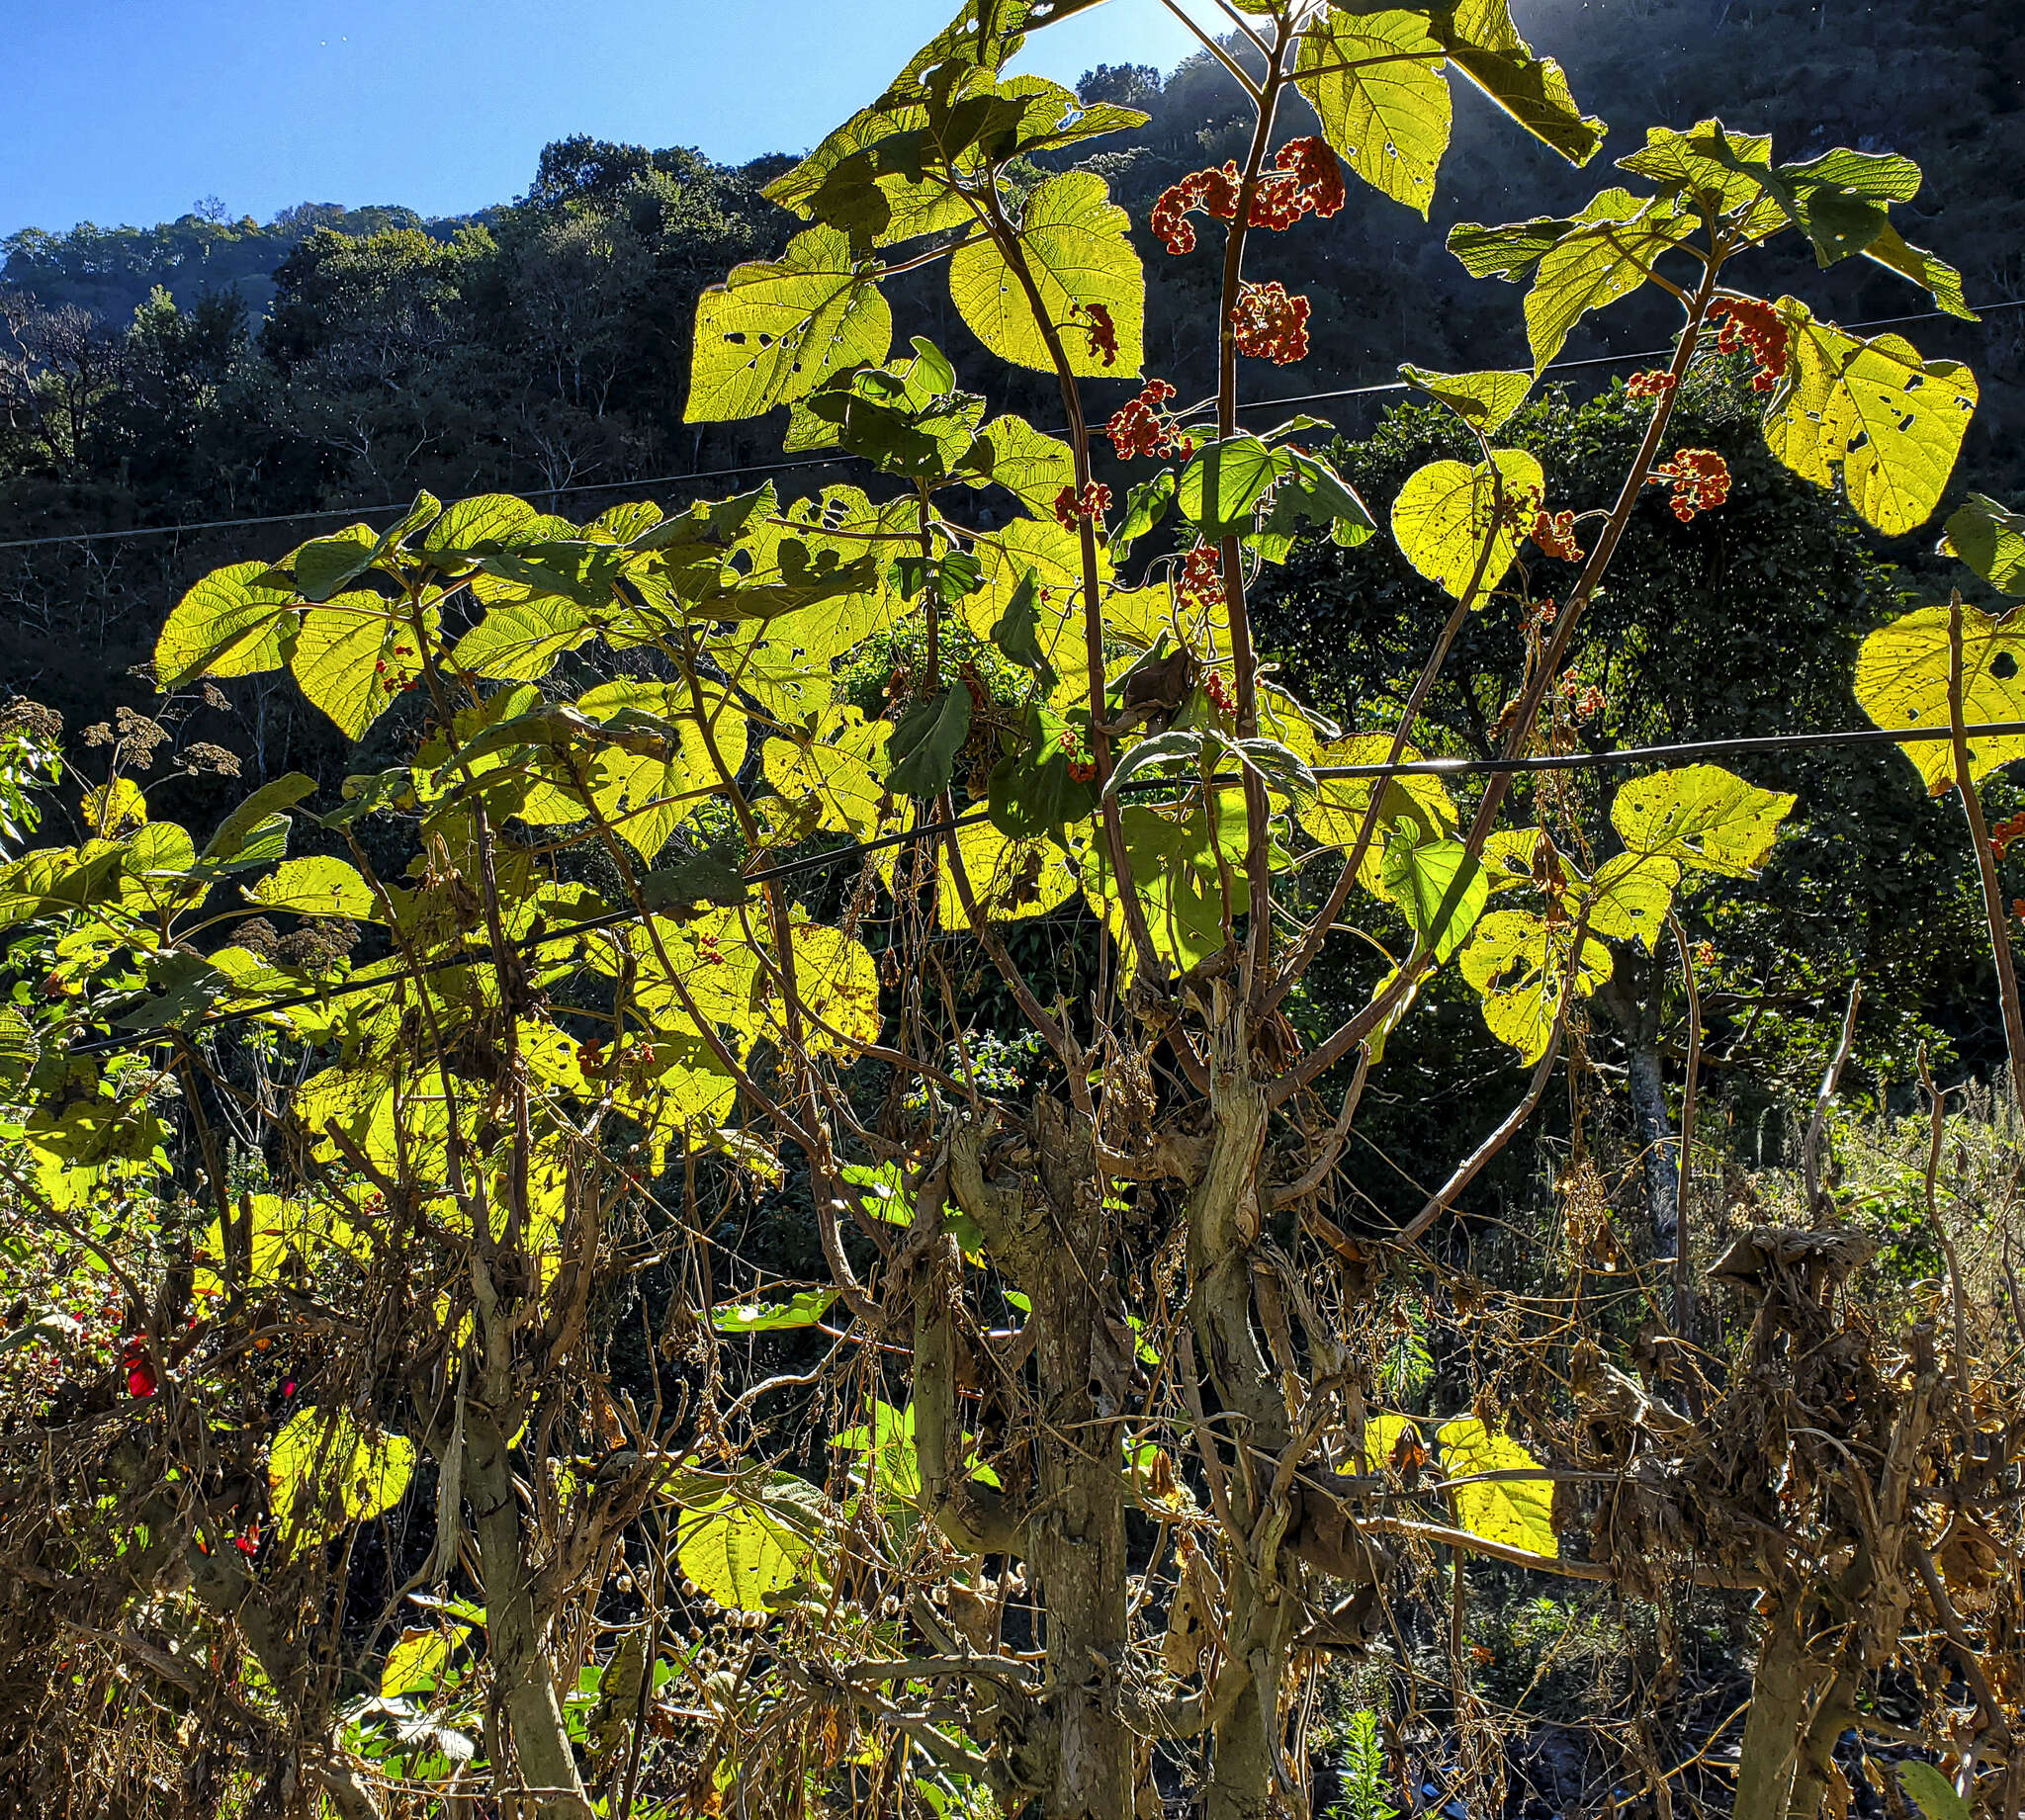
770, 467
817, 862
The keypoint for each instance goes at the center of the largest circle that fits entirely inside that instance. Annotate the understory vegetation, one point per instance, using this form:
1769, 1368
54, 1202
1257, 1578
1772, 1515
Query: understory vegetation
1061, 1106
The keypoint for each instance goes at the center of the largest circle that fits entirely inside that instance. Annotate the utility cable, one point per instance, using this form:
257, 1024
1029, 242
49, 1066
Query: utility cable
817, 862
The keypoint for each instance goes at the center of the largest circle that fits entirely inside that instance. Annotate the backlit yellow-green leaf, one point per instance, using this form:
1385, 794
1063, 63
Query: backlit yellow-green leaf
1447, 513
1075, 244
230, 624
1335, 814
1007, 879
1520, 963
1484, 46
1483, 401
1901, 680
1628, 897
317, 886
1375, 84
354, 656
737, 1554
1873, 414
1703, 816
1609, 252
324, 1471
415, 1663
778, 328
1517, 1512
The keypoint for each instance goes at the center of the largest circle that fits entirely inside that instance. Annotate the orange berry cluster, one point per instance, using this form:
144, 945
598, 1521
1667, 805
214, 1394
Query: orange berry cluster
1701, 481
1079, 766
1138, 428
1202, 576
1554, 533
1751, 324
1585, 700
1305, 180
1093, 502
1271, 325
2007, 831
1102, 333
1218, 691
1654, 385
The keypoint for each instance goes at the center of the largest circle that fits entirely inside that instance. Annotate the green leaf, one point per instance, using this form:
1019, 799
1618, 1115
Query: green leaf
1016, 632
1145, 506
1030, 465
1483, 401
317, 886
1390, 119
1445, 519
778, 328
1839, 199
1518, 1513
353, 657
1520, 963
1609, 252
1705, 162
520, 641
1991, 538
235, 622
1310, 491
1703, 816
1439, 885
326, 563
738, 1554
1416, 805
1077, 245
803, 1309
249, 835
1933, 275
417, 1660
1936, 1796
1901, 680
1510, 252
923, 750
482, 523
1030, 791
1872, 414
1628, 896
1223, 483
320, 1459
1486, 46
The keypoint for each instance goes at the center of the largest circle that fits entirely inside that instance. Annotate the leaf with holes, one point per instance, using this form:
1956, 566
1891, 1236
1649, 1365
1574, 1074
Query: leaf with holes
1518, 1512
1077, 251
1703, 816
1376, 83
1901, 680
778, 328
1991, 538
1446, 519
1873, 414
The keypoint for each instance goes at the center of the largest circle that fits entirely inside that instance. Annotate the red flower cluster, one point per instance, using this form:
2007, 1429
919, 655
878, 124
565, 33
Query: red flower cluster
1752, 325
1701, 481
1070, 509
2007, 831
138, 1367
1554, 533
1202, 576
1306, 180
1271, 325
1097, 325
1218, 691
1654, 385
1137, 428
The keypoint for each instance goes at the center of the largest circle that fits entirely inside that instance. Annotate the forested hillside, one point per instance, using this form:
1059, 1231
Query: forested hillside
209, 370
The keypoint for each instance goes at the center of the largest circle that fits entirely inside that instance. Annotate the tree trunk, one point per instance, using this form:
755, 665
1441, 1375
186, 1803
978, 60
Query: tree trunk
1638, 1018
1072, 1747
1781, 1687
1223, 1227
521, 1670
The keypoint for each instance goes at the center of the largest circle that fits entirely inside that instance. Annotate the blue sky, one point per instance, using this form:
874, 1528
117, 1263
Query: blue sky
127, 110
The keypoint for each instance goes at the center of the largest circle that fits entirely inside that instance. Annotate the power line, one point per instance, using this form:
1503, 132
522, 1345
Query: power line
834, 460
817, 862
